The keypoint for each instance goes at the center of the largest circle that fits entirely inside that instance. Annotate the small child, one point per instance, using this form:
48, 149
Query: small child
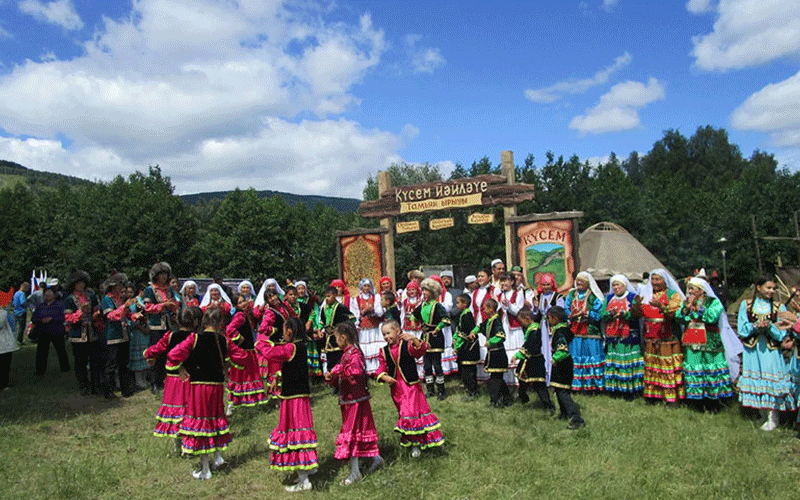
358, 437
417, 424
496, 363
390, 310
201, 361
530, 368
245, 387
176, 391
432, 317
561, 374
466, 346
293, 442
331, 313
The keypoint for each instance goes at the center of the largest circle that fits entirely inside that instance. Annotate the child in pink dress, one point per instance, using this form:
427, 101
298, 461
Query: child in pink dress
417, 424
245, 387
358, 437
293, 443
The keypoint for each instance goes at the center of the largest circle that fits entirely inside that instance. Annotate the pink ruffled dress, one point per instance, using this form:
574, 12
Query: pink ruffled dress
358, 437
416, 423
176, 391
245, 387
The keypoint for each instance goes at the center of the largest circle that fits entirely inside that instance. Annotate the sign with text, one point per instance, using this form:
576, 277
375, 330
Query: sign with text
407, 226
547, 246
479, 218
436, 224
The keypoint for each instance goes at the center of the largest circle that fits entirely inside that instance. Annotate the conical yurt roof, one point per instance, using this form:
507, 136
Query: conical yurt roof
607, 249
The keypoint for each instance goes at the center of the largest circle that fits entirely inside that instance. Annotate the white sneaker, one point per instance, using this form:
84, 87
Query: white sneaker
351, 479
229, 411
415, 452
772, 421
218, 462
199, 474
304, 486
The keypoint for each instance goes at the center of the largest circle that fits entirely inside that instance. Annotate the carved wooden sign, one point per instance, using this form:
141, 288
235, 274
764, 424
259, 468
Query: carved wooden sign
436, 224
479, 218
483, 190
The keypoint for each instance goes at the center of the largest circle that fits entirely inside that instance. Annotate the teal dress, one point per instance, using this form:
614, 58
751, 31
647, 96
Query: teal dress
705, 368
766, 382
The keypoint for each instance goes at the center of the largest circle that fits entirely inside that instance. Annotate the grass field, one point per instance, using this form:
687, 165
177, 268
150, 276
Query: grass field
57, 444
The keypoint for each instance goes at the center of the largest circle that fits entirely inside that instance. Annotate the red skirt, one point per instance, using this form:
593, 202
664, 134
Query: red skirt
293, 443
173, 406
245, 387
358, 437
205, 427
417, 424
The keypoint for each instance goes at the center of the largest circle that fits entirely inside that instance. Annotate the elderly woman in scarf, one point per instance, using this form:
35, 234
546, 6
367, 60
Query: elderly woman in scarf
624, 369
216, 297
188, 295
583, 304
663, 356
705, 367
368, 322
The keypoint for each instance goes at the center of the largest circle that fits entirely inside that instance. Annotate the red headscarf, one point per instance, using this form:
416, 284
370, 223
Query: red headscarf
547, 278
345, 291
383, 280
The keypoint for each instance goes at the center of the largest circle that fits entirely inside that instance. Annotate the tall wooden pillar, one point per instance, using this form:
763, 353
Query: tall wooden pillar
384, 184
507, 169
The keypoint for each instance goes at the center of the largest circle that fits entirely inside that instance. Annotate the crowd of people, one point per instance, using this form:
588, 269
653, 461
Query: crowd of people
228, 349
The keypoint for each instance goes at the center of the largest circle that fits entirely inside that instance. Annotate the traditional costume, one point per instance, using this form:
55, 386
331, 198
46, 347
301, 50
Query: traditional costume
663, 355
496, 362
159, 317
186, 299
408, 304
468, 351
416, 423
329, 317
370, 338
117, 339
176, 391
432, 317
83, 334
530, 370
624, 368
586, 348
271, 331
245, 387
561, 375
223, 302
546, 301
510, 303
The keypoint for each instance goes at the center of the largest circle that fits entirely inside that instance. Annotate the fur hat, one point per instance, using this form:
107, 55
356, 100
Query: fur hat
432, 286
114, 280
76, 277
159, 267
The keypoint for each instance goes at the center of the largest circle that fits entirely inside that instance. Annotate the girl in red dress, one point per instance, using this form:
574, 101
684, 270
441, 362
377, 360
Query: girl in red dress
245, 387
293, 443
358, 437
417, 424
200, 361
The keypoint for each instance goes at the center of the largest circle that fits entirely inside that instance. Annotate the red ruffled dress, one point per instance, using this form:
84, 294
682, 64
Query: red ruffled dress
416, 423
204, 427
293, 442
176, 391
245, 387
270, 330
358, 437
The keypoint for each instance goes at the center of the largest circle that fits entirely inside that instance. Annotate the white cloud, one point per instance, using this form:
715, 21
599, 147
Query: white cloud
596, 161
617, 109
608, 5
577, 86
423, 59
775, 109
748, 33
699, 6
234, 73
59, 12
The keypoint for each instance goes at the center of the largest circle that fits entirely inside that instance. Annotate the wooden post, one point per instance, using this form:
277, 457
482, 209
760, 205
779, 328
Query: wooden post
507, 169
384, 184
758, 250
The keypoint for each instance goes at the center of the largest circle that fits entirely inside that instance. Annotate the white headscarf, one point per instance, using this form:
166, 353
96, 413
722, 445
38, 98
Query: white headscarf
186, 284
592, 284
672, 284
733, 346
207, 296
260, 301
366, 281
246, 282
297, 285
622, 279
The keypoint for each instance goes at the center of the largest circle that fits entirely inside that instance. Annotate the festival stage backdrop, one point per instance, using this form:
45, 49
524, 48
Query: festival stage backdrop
360, 258
547, 244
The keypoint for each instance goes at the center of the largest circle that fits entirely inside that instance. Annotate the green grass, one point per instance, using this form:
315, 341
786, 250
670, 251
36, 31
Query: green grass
57, 445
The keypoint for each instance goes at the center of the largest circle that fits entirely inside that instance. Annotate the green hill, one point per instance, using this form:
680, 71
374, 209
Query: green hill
13, 173
342, 205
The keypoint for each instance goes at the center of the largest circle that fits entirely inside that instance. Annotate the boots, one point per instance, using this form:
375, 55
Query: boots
430, 392
772, 421
440, 392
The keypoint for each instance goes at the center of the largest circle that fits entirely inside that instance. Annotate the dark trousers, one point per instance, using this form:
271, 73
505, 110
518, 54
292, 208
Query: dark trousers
5, 369
432, 363
43, 351
158, 372
117, 357
88, 354
21, 324
469, 377
540, 389
567, 405
498, 390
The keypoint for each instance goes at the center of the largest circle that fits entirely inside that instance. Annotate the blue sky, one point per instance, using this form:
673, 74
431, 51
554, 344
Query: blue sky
312, 97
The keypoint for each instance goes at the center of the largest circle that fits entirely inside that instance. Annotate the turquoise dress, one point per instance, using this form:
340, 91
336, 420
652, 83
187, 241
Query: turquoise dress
766, 382
586, 347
